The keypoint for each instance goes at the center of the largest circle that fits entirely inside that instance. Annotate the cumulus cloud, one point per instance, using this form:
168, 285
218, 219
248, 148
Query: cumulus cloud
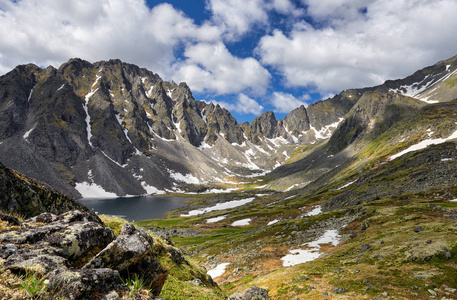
361, 43
285, 103
52, 31
243, 105
237, 16
211, 67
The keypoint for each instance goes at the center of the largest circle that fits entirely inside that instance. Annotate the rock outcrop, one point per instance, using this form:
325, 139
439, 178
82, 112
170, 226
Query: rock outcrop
26, 197
81, 258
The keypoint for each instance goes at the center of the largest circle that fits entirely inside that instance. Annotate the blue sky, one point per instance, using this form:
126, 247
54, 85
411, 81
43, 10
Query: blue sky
250, 56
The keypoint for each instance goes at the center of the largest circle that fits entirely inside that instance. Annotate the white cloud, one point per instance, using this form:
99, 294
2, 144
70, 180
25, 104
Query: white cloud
52, 31
211, 67
237, 16
286, 7
242, 105
361, 43
285, 103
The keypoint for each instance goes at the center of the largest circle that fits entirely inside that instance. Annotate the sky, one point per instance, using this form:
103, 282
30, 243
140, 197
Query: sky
250, 56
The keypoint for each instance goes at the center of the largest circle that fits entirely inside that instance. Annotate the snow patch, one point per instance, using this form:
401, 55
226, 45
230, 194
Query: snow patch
300, 256
260, 187
317, 210
219, 206
243, 222
86, 109
346, 185
122, 166
26, 135
272, 222
447, 159
424, 144
216, 219
291, 187
93, 190
30, 95
151, 189
326, 131
188, 178
218, 270
60, 87
204, 146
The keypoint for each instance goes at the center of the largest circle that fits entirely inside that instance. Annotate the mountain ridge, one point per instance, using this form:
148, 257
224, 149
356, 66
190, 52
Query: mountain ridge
90, 121
112, 128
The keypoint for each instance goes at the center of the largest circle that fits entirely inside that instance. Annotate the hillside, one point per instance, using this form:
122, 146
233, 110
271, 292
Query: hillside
368, 213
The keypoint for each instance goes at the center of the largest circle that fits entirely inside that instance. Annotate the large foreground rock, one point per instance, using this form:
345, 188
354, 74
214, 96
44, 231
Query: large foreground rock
56, 246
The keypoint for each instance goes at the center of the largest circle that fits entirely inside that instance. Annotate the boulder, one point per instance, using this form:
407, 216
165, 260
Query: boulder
40, 258
252, 293
81, 237
132, 253
85, 283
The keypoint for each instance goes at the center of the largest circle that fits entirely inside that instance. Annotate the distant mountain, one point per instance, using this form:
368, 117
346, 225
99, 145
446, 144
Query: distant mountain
387, 117
114, 129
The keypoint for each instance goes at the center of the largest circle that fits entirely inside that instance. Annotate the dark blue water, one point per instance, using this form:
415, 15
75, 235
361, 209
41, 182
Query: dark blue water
134, 208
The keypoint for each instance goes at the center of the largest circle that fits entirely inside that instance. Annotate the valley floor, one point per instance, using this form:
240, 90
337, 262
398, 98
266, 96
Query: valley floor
392, 248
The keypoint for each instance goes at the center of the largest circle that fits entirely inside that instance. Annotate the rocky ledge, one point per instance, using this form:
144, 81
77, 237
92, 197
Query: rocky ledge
80, 258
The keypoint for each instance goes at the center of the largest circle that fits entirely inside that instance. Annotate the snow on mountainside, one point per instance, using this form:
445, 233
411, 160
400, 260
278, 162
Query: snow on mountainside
114, 129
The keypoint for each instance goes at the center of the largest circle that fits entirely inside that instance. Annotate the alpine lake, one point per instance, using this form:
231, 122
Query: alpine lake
135, 208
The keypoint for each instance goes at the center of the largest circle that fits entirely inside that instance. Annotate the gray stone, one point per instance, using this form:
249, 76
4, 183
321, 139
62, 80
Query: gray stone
7, 249
432, 293
84, 284
339, 290
252, 293
78, 238
418, 229
196, 282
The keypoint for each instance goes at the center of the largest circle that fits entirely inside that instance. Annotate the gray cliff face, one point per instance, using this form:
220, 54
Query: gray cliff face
122, 128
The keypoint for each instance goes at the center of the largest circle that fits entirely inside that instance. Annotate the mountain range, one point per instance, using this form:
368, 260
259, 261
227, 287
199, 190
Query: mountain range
113, 129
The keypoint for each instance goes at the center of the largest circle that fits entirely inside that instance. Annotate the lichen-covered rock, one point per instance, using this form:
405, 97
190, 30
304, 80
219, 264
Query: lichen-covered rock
85, 283
132, 253
126, 250
45, 218
57, 245
252, 293
7, 249
30, 235
81, 237
41, 259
